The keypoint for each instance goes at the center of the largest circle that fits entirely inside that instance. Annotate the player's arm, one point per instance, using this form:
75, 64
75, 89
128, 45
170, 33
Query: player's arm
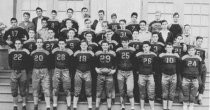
10, 57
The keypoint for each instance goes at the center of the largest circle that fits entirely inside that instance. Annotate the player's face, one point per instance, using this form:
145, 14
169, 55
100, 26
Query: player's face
39, 13
105, 46
51, 34
31, 34
101, 15
125, 43
169, 48
176, 18
142, 26
69, 13
135, 34
61, 44
179, 39
89, 37
71, 34
109, 36
199, 42
69, 23
164, 25
114, 19
53, 15
39, 43
191, 51
85, 12
14, 23
83, 46
187, 29
146, 48
18, 44
26, 17
134, 18
155, 37
104, 26
88, 24
122, 24
44, 23
157, 16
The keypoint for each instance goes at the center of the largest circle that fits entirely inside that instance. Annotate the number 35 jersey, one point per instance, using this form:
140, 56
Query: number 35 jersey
40, 58
18, 59
168, 63
106, 59
146, 62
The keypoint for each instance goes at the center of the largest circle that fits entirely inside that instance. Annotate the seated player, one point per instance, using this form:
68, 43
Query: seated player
135, 42
114, 25
201, 52
72, 41
125, 62
133, 25
18, 62
92, 46
157, 47
179, 46
169, 67
84, 63
62, 58
191, 71
64, 31
87, 29
51, 41
40, 75
105, 67
145, 68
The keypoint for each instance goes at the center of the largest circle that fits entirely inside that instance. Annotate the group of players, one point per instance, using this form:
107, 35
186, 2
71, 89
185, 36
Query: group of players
120, 54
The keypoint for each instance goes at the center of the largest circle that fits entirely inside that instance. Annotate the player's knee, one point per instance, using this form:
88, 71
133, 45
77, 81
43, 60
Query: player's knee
130, 93
122, 94
67, 92
98, 95
165, 96
88, 93
76, 93
142, 96
47, 93
109, 95
55, 92
14, 93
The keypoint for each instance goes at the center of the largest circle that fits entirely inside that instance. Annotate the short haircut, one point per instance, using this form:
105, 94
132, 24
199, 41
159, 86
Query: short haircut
169, 44
134, 14
62, 40
123, 20
27, 13
83, 41
19, 40
51, 29
125, 39
146, 42
101, 11
191, 47
88, 33
113, 15
104, 41
179, 35
155, 33
199, 37
87, 20
40, 38
31, 29
84, 8
44, 19
72, 29
38, 8
163, 21
136, 30
70, 9
54, 11
186, 25
143, 21
13, 19
176, 13
105, 22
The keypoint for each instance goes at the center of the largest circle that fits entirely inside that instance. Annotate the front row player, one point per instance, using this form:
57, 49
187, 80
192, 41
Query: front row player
40, 76
18, 62
146, 61
62, 58
105, 67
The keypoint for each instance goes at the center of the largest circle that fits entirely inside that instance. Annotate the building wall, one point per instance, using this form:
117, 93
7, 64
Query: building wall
6, 11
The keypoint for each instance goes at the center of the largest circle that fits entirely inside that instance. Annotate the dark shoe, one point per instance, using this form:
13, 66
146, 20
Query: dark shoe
113, 101
90, 109
199, 102
54, 108
15, 108
24, 108
109, 109
97, 108
35, 107
74, 108
48, 109
68, 108
123, 109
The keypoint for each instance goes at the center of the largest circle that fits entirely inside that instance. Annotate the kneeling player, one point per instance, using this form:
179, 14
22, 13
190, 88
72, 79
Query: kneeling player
18, 61
62, 59
40, 76
125, 59
191, 64
84, 63
145, 68
169, 71
105, 68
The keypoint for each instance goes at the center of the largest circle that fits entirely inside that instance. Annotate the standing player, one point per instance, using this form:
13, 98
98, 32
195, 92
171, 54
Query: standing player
18, 62
125, 59
169, 65
201, 52
145, 68
133, 25
135, 42
40, 75
54, 23
62, 60
191, 71
72, 41
84, 64
105, 68
114, 25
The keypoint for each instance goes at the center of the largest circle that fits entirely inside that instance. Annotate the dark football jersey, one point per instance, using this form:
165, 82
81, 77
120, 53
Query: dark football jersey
119, 34
55, 25
133, 27
191, 66
82, 35
100, 36
50, 45
201, 52
146, 62
176, 29
125, 58
84, 60
74, 22
19, 59
157, 48
62, 58
137, 45
40, 58
93, 47
30, 45
105, 59
179, 50
73, 44
169, 63
114, 26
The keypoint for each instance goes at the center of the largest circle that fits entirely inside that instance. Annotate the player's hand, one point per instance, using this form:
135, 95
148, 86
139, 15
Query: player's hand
112, 71
98, 71
9, 42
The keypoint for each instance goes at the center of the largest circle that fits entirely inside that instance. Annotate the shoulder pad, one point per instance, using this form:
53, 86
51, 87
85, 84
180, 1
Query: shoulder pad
199, 57
25, 50
185, 56
98, 53
131, 48
139, 53
11, 50
118, 49
77, 39
115, 42
177, 55
153, 53
160, 43
91, 53
54, 50
95, 43
69, 51
77, 52
112, 52
162, 54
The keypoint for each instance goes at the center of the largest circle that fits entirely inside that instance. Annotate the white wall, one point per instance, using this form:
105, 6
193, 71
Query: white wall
6, 11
